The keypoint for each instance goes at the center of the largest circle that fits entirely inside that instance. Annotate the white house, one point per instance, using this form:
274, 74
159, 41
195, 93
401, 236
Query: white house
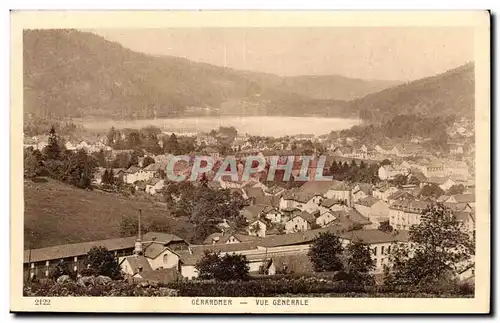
257, 228
300, 222
135, 173
339, 191
404, 214
383, 193
325, 218
360, 191
457, 169
374, 209
69, 146
296, 198
154, 185
388, 172
272, 214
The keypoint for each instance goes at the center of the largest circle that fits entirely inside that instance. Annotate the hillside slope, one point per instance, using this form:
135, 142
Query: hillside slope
56, 213
449, 93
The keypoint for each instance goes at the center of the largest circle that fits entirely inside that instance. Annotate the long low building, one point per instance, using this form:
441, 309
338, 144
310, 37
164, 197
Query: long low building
167, 256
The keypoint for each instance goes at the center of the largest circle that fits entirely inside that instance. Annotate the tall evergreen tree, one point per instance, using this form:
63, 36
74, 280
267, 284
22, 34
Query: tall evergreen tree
53, 150
172, 145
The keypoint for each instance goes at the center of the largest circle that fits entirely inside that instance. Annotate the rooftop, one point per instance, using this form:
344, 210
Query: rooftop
81, 249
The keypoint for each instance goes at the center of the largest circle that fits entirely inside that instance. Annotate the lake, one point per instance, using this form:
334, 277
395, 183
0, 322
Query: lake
260, 125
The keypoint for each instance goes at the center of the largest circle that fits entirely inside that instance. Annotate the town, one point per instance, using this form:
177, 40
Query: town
378, 192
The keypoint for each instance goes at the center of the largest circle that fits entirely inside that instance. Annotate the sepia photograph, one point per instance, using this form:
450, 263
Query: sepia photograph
229, 165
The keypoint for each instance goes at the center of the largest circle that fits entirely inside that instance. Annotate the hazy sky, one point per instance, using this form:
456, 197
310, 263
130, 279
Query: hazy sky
401, 53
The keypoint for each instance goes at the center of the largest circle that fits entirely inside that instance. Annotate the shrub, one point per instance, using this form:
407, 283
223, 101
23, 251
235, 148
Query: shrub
325, 252
228, 267
103, 262
265, 286
62, 268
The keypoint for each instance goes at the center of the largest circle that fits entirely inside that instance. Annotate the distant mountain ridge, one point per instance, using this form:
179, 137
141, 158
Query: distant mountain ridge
334, 86
69, 73
449, 93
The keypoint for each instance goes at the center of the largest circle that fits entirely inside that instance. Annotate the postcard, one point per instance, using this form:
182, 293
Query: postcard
250, 161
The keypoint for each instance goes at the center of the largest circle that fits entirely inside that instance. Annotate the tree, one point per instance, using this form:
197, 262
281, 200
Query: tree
32, 166
102, 262
130, 227
100, 158
325, 252
234, 264
456, 189
385, 162
255, 228
134, 159
333, 168
385, 227
413, 180
148, 160
112, 136
432, 190
108, 177
438, 248
151, 143
52, 150
171, 145
62, 268
227, 267
159, 225
79, 169
359, 263
122, 160
134, 140
399, 180
55, 169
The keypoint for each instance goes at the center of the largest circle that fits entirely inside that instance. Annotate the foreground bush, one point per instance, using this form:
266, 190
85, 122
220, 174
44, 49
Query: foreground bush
267, 287
114, 288
257, 287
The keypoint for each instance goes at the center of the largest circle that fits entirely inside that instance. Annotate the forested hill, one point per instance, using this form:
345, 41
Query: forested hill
334, 86
447, 94
69, 73
73, 74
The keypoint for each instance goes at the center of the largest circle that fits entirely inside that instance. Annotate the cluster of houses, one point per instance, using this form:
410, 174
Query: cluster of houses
90, 145
322, 204
281, 225
165, 257
282, 222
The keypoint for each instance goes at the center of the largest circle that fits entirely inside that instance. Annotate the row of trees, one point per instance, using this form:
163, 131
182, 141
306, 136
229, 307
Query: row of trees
75, 168
149, 139
353, 172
